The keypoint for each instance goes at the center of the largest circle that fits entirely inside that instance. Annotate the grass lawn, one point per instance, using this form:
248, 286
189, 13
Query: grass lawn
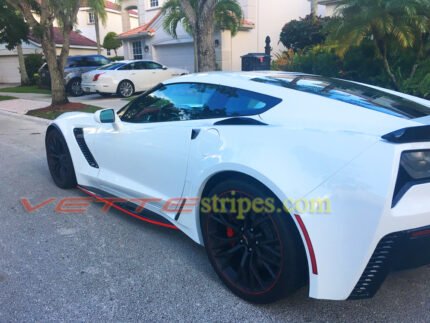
4, 98
25, 89
53, 112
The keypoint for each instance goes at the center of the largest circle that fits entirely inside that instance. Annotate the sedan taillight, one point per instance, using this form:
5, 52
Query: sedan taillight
96, 77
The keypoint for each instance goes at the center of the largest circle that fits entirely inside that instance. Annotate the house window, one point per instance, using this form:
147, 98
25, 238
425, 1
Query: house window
108, 52
91, 18
153, 3
137, 50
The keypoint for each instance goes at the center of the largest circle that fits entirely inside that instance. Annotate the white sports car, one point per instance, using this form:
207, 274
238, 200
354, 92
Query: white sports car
127, 77
285, 178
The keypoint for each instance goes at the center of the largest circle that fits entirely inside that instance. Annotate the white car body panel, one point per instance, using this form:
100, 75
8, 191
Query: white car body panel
323, 149
142, 80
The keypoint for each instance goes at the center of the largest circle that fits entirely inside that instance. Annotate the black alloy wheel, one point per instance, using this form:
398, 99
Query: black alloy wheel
75, 87
59, 161
258, 255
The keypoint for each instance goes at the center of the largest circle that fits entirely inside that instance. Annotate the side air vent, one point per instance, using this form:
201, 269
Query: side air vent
377, 269
79, 135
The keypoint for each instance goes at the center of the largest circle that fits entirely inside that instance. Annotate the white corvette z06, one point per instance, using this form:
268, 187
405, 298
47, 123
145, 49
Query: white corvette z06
221, 142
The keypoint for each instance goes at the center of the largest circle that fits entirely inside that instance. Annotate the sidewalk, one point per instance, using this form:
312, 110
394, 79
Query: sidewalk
93, 99
21, 106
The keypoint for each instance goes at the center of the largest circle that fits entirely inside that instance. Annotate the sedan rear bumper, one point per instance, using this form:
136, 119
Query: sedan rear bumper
92, 87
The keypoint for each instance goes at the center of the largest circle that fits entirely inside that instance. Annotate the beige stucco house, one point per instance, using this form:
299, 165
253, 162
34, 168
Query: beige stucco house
118, 21
261, 18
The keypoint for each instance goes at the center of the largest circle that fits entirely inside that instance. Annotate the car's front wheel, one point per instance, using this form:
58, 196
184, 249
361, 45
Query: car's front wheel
255, 251
74, 88
59, 160
125, 89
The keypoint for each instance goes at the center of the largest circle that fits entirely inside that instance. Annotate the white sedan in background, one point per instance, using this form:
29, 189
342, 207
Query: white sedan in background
127, 77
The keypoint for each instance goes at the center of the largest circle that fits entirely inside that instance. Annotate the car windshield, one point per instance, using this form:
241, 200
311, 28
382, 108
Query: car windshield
112, 66
352, 93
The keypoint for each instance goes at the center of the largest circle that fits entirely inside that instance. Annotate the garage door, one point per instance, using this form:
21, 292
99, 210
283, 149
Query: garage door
177, 55
9, 69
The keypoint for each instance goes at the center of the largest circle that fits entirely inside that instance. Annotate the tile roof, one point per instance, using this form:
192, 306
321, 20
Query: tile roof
75, 39
145, 28
113, 6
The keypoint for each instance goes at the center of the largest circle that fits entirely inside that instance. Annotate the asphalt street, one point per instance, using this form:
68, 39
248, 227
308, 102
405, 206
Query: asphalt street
100, 266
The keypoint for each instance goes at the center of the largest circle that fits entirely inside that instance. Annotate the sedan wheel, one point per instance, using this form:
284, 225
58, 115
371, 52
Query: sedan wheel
258, 255
59, 161
126, 89
75, 88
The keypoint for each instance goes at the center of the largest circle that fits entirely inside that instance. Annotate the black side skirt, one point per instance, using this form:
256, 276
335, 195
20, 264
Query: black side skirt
128, 207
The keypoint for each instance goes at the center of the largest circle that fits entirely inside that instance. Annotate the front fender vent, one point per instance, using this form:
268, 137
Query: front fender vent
79, 135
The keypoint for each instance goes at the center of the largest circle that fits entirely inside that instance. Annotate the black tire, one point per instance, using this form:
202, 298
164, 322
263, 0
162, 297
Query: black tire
261, 258
74, 87
59, 161
125, 89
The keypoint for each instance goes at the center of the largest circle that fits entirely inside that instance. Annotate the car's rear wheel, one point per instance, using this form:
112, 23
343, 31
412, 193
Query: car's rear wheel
59, 160
74, 88
258, 255
125, 89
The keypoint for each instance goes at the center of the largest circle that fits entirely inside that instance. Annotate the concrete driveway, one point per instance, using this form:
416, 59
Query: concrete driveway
100, 266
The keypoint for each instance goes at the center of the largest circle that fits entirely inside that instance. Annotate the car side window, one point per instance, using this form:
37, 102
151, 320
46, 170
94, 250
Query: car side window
138, 65
153, 66
194, 101
126, 67
234, 102
72, 62
175, 102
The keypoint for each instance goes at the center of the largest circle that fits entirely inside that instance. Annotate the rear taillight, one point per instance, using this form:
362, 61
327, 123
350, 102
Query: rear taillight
96, 77
421, 233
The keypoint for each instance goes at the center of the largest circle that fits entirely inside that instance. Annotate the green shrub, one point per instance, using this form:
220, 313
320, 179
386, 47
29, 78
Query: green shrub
32, 63
305, 33
314, 61
419, 83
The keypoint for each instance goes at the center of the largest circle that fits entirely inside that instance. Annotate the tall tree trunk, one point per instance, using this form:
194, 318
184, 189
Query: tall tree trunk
205, 28
97, 27
202, 19
56, 69
314, 9
196, 55
22, 69
206, 48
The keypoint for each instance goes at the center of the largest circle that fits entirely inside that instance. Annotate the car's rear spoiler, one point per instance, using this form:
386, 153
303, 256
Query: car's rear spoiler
408, 135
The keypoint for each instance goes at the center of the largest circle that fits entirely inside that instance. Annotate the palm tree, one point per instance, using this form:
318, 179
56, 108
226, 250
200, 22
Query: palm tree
388, 24
100, 16
199, 18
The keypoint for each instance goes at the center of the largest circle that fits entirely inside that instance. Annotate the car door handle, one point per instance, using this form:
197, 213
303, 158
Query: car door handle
195, 133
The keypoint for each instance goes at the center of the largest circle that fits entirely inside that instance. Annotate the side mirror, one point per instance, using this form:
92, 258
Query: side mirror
165, 67
105, 116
